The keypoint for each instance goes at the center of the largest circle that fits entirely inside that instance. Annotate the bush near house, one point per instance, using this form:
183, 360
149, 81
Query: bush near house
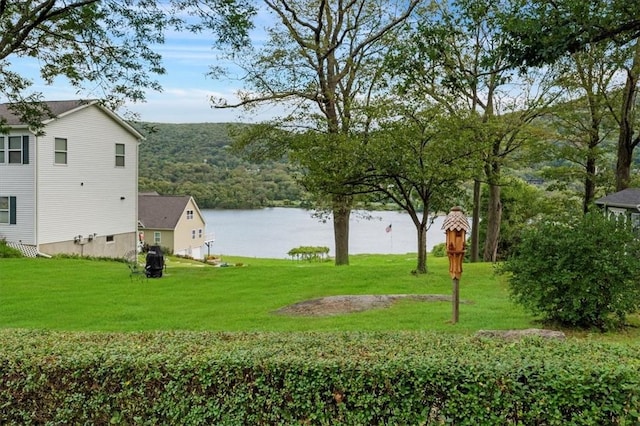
194, 378
6, 251
584, 273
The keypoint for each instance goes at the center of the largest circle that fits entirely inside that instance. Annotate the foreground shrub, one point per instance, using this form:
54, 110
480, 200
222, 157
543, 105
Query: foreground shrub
313, 378
584, 273
6, 251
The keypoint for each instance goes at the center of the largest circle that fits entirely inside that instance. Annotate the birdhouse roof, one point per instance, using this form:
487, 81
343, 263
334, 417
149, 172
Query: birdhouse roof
456, 220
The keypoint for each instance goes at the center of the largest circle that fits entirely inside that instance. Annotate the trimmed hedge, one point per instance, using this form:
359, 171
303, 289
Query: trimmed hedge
309, 253
192, 378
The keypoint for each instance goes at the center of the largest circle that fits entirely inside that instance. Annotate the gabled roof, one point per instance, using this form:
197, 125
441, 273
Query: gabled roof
161, 211
627, 198
60, 109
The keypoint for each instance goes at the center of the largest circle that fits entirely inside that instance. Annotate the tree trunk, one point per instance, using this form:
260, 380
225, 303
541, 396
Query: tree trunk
625, 155
421, 268
589, 183
341, 214
626, 142
494, 217
475, 223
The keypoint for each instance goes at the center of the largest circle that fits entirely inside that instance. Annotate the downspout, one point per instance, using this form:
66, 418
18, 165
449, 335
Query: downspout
36, 192
135, 198
36, 196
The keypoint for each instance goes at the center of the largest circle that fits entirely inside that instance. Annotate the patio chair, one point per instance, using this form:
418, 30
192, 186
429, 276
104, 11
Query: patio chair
135, 269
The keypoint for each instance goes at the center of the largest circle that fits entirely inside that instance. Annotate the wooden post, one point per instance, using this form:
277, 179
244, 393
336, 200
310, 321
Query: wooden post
456, 300
456, 227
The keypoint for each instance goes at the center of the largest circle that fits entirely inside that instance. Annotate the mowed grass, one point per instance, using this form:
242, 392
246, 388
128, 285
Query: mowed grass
90, 295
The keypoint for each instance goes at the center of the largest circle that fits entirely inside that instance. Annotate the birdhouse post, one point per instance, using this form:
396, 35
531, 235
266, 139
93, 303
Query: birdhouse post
455, 227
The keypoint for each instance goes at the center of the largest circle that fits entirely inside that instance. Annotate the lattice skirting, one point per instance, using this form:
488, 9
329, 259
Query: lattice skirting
27, 250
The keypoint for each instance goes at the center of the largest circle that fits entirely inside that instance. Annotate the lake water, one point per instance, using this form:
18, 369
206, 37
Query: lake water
272, 232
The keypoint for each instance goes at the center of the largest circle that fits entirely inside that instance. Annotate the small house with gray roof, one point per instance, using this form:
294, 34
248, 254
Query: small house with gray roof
625, 203
72, 186
173, 222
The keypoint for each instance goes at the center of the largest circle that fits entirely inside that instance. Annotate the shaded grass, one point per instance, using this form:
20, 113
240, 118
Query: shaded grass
80, 294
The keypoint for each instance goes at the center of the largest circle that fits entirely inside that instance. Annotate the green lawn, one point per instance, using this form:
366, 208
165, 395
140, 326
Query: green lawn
78, 294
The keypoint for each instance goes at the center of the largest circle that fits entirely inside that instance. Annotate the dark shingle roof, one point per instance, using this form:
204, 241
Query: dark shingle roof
57, 108
161, 211
627, 198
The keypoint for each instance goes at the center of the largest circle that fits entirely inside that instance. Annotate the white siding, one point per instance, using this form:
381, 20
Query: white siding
88, 195
184, 244
18, 180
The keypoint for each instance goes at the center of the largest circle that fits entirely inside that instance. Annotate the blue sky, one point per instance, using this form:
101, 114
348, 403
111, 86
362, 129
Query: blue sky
186, 88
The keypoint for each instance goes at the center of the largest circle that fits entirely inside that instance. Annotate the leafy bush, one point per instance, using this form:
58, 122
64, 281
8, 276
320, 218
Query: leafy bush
313, 378
439, 250
6, 251
582, 273
309, 253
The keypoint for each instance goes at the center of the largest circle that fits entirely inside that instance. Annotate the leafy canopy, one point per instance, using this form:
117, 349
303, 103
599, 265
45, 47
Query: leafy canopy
104, 49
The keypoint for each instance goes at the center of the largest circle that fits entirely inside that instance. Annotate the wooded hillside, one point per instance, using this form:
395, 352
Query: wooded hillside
195, 159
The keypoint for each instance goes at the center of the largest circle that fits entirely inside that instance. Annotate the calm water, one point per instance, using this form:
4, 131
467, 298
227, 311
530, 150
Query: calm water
271, 233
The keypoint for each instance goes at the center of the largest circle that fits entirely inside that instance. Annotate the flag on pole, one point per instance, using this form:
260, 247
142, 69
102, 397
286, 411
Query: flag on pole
388, 229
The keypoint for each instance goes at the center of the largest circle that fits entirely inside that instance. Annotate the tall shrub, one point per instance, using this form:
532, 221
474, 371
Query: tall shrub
584, 273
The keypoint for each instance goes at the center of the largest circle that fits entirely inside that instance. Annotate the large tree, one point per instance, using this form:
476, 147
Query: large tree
581, 125
418, 158
457, 59
102, 48
322, 58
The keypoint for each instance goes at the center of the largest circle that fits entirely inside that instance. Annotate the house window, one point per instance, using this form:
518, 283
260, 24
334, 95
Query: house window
1, 149
189, 214
156, 238
200, 233
193, 234
18, 150
109, 238
119, 155
8, 210
60, 151
635, 220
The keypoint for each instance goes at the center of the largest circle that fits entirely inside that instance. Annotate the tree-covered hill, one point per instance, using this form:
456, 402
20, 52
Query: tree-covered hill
195, 159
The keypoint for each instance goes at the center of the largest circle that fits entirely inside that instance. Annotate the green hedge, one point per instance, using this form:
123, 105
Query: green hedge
309, 253
313, 378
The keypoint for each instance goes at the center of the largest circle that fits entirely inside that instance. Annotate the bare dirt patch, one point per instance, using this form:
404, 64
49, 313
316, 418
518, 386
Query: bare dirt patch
336, 305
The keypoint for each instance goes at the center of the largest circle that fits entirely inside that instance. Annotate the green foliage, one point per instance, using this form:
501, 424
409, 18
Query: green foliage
541, 32
580, 273
196, 160
309, 253
439, 250
6, 251
103, 47
524, 204
334, 378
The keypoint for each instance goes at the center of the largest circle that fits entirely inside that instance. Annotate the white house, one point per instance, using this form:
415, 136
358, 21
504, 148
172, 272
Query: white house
173, 222
74, 188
